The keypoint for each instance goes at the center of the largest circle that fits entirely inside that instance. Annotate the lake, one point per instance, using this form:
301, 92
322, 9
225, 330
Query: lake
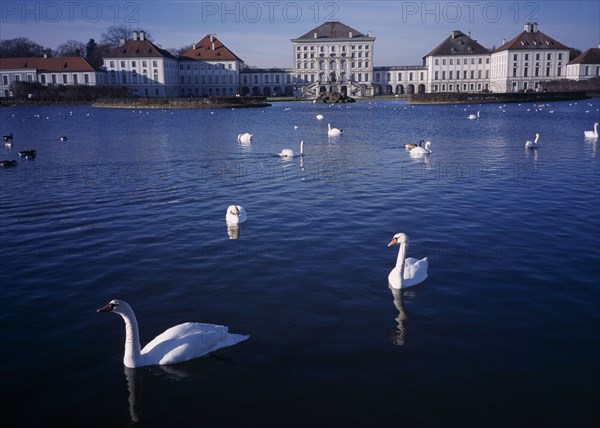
502, 333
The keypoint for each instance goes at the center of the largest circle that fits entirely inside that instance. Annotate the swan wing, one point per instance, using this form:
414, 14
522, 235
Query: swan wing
415, 271
187, 341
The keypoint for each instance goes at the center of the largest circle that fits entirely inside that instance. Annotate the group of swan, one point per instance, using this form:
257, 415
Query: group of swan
473, 116
592, 134
533, 144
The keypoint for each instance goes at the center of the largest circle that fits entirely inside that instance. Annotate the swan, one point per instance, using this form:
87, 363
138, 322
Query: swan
408, 271
245, 138
533, 144
420, 151
63, 138
410, 146
319, 117
235, 214
473, 116
177, 344
288, 153
8, 143
592, 134
333, 131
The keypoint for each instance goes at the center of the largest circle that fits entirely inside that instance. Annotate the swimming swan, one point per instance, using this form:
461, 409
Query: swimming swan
245, 138
592, 134
533, 144
235, 214
473, 116
175, 345
319, 117
332, 132
420, 151
408, 271
288, 153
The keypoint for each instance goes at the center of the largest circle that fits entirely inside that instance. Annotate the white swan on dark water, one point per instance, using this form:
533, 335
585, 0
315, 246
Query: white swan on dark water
177, 344
235, 214
408, 271
288, 153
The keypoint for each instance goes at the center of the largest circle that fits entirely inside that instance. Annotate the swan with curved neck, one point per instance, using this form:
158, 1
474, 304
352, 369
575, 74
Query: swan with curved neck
235, 214
533, 144
332, 132
288, 153
592, 134
245, 138
175, 345
473, 116
408, 271
420, 151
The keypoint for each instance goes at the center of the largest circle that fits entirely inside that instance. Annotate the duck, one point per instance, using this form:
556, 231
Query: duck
319, 117
473, 116
7, 163
420, 151
408, 271
27, 154
8, 137
332, 132
288, 153
533, 144
63, 138
245, 138
235, 214
177, 344
592, 134
410, 146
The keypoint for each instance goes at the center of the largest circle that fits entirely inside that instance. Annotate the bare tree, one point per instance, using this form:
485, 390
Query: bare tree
22, 47
115, 33
71, 48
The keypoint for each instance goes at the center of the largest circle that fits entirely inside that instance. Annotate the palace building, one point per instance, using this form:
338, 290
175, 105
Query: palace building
332, 57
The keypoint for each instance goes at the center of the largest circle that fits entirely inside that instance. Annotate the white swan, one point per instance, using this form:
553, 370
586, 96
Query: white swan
332, 132
319, 117
235, 214
288, 153
420, 151
592, 134
533, 144
175, 345
473, 116
245, 138
408, 271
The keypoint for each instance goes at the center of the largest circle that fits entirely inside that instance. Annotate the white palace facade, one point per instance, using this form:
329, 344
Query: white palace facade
330, 57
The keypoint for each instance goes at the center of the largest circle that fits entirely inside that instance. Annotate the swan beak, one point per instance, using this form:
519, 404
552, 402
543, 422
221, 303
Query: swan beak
106, 308
392, 242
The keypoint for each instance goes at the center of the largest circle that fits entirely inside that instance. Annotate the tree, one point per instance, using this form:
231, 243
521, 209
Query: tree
115, 33
22, 47
71, 48
94, 53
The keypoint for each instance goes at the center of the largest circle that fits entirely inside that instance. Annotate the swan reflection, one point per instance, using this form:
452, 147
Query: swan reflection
233, 230
399, 333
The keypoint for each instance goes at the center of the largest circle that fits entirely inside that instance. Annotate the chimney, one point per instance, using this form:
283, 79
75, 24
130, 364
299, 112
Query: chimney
350, 34
142, 35
136, 35
212, 37
535, 27
314, 35
528, 27
212, 46
503, 41
121, 42
45, 55
194, 46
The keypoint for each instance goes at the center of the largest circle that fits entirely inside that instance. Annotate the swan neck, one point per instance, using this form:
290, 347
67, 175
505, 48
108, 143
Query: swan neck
401, 261
132, 357
301, 147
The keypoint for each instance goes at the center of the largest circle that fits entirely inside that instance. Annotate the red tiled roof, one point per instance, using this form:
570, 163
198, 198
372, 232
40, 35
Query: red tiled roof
210, 49
531, 40
139, 49
591, 56
47, 65
458, 43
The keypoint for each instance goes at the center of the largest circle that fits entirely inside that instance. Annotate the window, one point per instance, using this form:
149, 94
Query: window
133, 64
112, 64
155, 64
65, 79
451, 61
122, 64
400, 76
437, 61
75, 79
436, 76
410, 76
42, 79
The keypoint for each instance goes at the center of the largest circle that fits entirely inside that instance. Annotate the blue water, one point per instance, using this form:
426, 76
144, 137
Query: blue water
504, 331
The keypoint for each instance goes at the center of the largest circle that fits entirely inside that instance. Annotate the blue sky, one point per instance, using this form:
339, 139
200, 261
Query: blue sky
260, 31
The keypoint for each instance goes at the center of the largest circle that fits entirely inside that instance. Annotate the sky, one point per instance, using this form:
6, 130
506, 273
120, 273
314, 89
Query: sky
259, 32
